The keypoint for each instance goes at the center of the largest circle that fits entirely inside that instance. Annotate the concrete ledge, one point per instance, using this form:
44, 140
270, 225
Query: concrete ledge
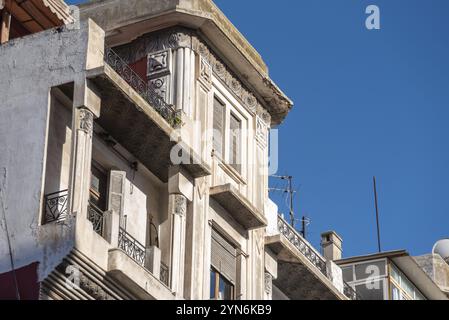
137, 279
238, 206
288, 254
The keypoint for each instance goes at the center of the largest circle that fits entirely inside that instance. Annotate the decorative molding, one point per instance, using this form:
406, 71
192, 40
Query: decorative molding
159, 72
180, 205
86, 121
205, 72
268, 283
179, 37
261, 131
161, 86
159, 62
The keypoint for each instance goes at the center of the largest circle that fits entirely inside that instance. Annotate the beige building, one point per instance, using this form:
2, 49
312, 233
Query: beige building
134, 162
392, 275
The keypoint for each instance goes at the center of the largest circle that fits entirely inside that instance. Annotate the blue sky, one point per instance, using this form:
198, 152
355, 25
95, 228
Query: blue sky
366, 103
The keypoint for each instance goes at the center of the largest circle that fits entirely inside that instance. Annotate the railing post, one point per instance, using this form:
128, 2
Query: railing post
111, 227
153, 260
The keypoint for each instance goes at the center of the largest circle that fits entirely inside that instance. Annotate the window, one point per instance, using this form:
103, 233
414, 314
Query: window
218, 123
228, 134
223, 268
348, 274
372, 291
395, 293
235, 143
220, 287
402, 287
98, 187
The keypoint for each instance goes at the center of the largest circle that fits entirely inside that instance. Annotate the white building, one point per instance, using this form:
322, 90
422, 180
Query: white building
93, 203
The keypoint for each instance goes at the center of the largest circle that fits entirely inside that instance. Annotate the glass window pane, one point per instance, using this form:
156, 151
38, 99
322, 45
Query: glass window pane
371, 291
395, 294
235, 143
369, 269
348, 275
226, 289
212, 284
218, 126
419, 296
407, 286
395, 274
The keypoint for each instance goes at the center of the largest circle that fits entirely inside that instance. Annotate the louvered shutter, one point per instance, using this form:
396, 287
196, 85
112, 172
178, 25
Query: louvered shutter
224, 257
218, 137
116, 195
235, 143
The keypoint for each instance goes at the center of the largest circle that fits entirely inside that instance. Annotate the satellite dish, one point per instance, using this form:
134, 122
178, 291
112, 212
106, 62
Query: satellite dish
442, 248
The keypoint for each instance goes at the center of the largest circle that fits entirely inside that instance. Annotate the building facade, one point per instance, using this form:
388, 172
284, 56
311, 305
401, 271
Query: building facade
134, 162
393, 275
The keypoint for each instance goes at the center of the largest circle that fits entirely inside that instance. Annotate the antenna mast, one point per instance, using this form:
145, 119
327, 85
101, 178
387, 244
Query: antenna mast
291, 192
377, 215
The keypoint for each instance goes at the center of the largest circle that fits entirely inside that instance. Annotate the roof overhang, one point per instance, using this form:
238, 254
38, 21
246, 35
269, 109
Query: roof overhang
38, 15
408, 265
123, 23
421, 280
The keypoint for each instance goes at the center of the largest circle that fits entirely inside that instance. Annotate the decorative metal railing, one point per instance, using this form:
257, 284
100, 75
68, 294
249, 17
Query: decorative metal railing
167, 111
56, 206
133, 248
350, 292
311, 254
303, 246
96, 216
164, 275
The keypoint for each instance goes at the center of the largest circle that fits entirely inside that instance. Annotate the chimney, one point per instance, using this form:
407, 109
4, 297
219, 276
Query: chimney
331, 245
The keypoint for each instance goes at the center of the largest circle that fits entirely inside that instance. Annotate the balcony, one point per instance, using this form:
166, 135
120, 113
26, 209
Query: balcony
302, 271
133, 248
238, 206
139, 119
55, 206
96, 216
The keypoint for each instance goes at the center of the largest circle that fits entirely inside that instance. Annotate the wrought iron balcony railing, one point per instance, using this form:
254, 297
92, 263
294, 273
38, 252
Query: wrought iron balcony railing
350, 292
56, 206
167, 111
96, 216
164, 275
133, 248
311, 254
304, 247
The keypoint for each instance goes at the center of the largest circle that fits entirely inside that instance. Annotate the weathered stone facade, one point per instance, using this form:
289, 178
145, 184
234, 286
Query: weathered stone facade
108, 214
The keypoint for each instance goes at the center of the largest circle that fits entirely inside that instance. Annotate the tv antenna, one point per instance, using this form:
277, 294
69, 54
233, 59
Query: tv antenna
288, 190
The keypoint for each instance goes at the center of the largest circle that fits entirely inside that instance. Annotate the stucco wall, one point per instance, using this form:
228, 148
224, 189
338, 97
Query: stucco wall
30, 67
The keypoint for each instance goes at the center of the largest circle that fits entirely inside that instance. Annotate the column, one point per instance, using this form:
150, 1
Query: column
180, 189
86, 109
178, 209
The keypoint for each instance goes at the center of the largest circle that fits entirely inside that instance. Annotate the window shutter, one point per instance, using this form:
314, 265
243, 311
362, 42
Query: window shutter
224, 257
116, 195
235, 143
218, 137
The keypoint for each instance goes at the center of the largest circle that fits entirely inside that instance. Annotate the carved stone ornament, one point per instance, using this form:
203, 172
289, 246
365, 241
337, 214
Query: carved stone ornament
180, 205
205, 75
268, 283
159, 63
179, 37
86, 118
